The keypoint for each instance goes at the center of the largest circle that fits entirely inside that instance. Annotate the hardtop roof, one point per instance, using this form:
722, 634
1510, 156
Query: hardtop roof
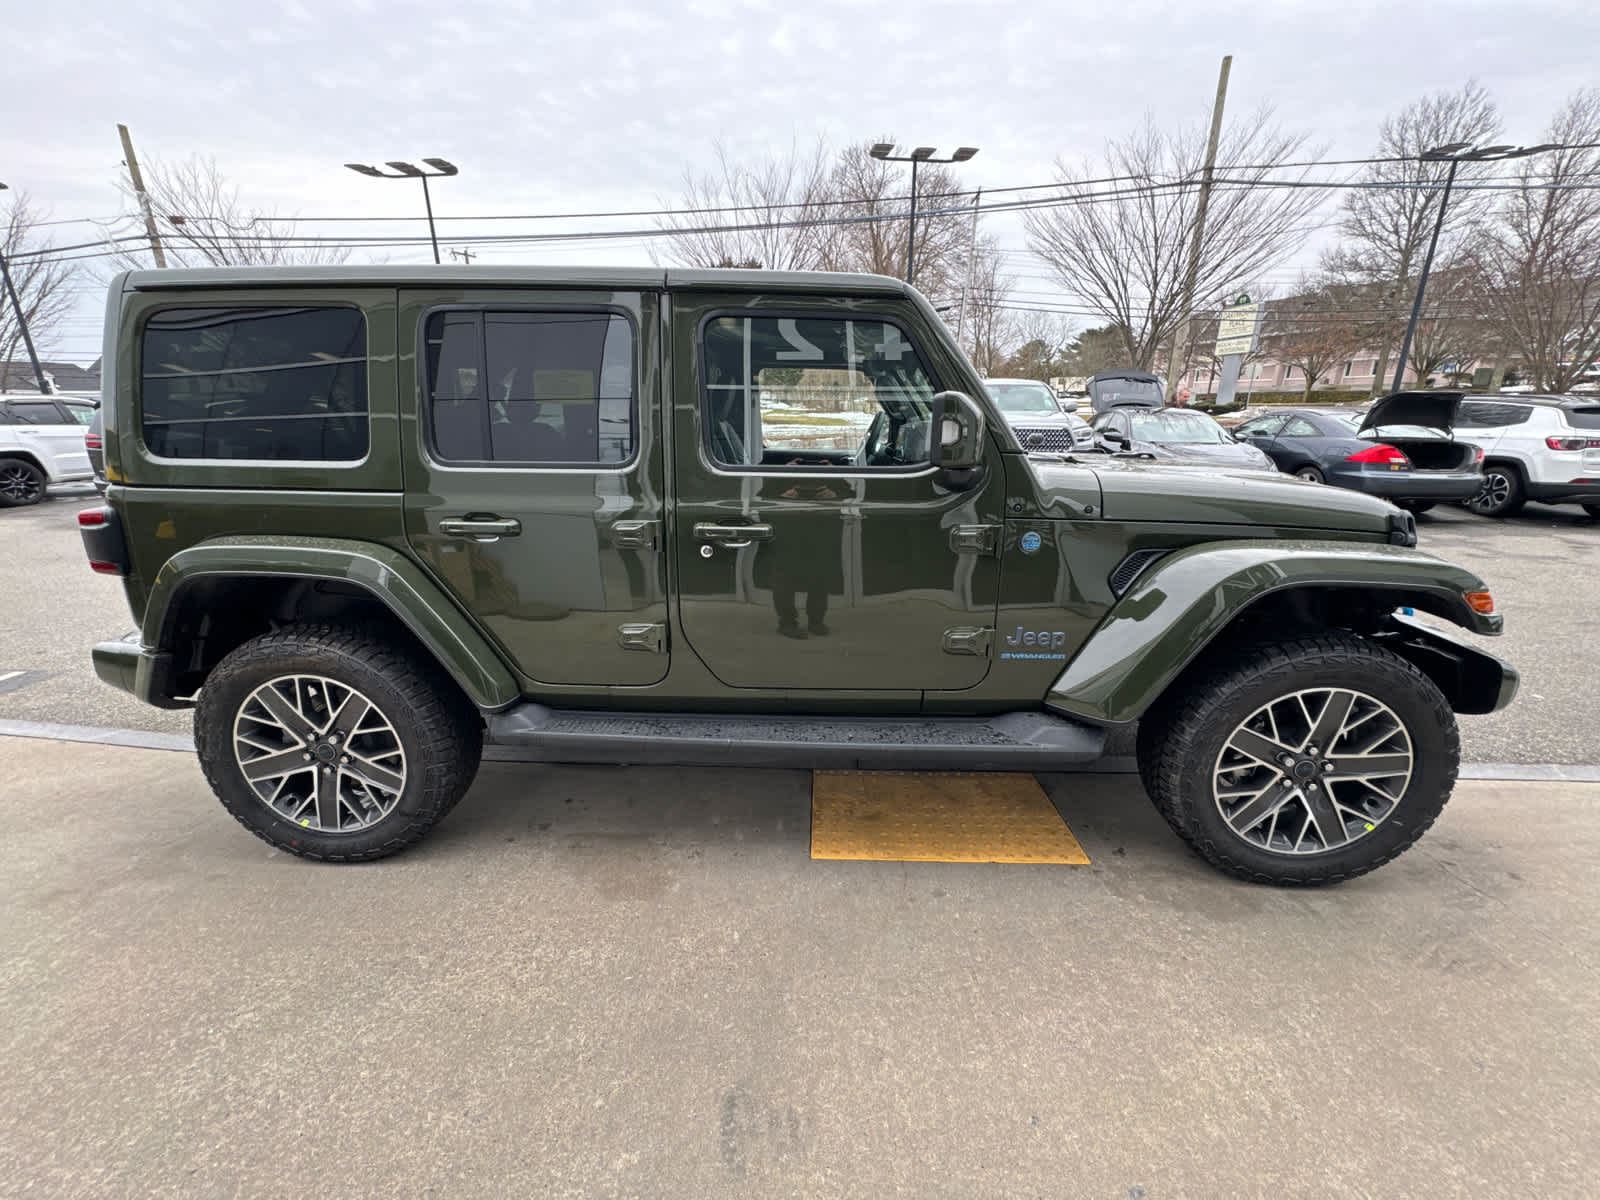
454, 275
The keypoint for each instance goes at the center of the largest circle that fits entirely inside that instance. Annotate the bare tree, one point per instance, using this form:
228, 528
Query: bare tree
1541, 254
1039, 345
773, 213
1452, 326
988, 318
1122, 246
41, 281
1386, 224
1321, 326
203, 222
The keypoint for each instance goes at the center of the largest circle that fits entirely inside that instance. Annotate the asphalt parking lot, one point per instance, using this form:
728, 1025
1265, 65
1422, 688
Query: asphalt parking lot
596, 981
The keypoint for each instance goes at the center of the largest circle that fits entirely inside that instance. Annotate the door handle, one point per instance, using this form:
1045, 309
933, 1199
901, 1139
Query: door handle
480, 529
734, 537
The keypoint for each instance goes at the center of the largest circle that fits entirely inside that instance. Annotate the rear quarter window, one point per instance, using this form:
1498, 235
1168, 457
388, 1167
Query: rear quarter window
276, 384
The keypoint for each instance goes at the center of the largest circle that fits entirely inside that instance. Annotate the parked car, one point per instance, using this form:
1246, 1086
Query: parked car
1176, 433
94, 443
1544, 448
1037, 417
370, 517
1400, 448
41, 444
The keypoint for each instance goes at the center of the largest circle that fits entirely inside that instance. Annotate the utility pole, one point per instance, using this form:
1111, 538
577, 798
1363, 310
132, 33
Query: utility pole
1181, 337
22, 321
465, 254
132, 161
972, 268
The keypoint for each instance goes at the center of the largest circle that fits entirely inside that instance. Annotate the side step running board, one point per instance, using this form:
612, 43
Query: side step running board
1017, 741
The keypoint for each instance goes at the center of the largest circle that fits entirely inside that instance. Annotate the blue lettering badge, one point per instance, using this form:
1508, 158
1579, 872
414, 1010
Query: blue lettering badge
1030, 542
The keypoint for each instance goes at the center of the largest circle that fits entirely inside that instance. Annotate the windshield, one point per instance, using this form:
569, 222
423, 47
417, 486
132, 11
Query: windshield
1176, 425
1023, 397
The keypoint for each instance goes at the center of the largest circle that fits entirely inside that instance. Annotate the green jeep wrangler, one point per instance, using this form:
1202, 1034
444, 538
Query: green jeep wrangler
368, 517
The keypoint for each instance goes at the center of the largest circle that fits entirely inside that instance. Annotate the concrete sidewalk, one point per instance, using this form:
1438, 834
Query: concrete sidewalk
607, 981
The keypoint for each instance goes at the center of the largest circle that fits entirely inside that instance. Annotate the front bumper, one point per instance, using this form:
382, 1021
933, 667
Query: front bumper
1415, 485
127, 665
1473, 682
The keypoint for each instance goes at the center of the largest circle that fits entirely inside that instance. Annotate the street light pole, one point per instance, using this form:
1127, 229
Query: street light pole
405, 170
884, 151
1455, 154
22, 320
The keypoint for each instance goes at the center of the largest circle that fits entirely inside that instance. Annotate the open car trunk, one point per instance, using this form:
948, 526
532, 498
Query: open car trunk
1419, 424
1432, 453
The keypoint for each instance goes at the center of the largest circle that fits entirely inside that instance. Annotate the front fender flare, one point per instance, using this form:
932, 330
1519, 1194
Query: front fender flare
389, 576
1179, 605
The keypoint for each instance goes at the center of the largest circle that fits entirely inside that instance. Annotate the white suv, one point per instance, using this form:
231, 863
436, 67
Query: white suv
41, 443
1544, 448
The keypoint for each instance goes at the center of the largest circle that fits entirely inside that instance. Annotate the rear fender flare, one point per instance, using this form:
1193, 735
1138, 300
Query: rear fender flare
389, 576
1181, 604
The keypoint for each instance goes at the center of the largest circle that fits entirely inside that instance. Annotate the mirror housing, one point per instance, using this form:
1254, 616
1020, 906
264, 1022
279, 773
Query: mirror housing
958, 432
1113, 436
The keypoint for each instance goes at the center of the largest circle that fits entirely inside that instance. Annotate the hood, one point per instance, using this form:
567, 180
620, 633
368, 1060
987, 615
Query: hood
1130, 389
1179, 493
1433, 410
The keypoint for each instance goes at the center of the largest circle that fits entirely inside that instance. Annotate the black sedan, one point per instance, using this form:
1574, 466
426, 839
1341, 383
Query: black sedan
1401, 450
1175, 433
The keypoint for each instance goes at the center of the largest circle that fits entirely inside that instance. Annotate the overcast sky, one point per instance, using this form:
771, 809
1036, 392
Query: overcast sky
555, 107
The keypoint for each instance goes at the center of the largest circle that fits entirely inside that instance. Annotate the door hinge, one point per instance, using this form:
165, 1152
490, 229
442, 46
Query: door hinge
633, 535
967, 639
975, 539
652, 639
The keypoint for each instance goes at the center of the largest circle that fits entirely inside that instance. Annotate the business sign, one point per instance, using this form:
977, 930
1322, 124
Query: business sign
1236, 329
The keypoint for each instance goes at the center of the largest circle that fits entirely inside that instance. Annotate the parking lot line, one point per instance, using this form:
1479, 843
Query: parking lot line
945, 816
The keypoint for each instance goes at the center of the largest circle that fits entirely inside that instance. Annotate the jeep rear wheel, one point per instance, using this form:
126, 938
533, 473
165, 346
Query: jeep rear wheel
1305, 762
21, 483
333, 745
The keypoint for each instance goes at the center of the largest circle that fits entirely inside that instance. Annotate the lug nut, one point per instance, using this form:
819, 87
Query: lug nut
305, 758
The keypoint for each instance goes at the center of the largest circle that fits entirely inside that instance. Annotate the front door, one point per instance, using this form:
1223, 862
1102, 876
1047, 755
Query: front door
816, 547
534, 473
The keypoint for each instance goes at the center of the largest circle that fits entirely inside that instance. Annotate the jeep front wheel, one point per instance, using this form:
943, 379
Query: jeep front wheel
1303, 762
333, 745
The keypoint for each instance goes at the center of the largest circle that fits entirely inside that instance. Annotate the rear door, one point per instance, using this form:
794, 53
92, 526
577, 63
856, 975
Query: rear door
57, 438
815, 545
534, 491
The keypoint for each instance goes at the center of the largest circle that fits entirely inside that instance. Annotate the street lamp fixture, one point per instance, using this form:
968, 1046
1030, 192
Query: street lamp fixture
1454, 153
922, 154
405, 170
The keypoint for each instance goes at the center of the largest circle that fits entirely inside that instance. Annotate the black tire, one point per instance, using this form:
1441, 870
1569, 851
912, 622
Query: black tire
438, 732
1313, 474
1502, 493
1182, 742
1416, 506
21, 483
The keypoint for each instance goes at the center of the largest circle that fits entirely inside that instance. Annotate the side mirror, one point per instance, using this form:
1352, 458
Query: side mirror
1113, 435
958, 428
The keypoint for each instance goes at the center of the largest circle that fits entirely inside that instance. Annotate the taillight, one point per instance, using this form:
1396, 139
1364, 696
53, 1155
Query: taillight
93, 441
1572, 443
88, 518
1389, 455
102, 539
1478, 458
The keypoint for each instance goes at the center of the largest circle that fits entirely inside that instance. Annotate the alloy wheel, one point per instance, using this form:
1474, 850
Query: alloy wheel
1313, 771
1494, 493
319, 753
19, 484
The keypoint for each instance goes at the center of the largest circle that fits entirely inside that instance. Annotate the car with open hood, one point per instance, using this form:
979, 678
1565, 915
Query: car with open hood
1125, 388
369, 518
1178, 434
1402, 448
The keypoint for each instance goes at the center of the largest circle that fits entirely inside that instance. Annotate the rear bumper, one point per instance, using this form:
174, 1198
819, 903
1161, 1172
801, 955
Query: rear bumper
125, 664
1414, 485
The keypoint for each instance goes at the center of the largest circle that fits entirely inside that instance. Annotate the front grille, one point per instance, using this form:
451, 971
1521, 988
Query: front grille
1050, 441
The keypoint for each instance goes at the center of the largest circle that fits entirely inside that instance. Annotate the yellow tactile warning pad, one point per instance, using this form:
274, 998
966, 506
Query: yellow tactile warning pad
937, 816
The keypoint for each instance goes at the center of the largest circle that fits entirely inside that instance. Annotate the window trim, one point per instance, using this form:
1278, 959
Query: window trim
425, 396
332, 464
716, 466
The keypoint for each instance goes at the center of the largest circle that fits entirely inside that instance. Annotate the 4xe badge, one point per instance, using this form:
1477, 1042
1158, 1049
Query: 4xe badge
1030, 542
1035, 643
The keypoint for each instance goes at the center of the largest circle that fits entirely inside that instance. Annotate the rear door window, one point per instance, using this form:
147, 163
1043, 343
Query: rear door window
1490, 414
282, 384
36, 412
